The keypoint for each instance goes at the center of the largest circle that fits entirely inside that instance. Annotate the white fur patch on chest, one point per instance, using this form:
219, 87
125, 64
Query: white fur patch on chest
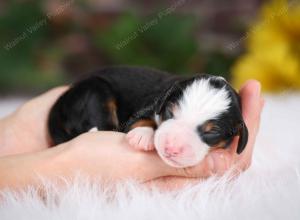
201, 102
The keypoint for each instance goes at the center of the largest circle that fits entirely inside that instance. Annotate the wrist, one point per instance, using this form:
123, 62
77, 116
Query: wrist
17, 135
53, 162
7, 136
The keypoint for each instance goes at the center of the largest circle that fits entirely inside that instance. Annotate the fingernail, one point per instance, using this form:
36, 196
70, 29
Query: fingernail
257, 89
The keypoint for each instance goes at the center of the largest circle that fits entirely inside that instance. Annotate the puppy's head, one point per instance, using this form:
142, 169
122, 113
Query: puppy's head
196, 115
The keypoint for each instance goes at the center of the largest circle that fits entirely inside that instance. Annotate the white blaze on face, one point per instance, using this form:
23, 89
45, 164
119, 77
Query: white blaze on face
176, 140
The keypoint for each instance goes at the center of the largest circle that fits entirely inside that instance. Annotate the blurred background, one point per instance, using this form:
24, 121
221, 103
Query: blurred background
52, 42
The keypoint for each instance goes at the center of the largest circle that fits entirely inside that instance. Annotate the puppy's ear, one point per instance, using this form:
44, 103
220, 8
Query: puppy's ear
168, 95
243, 137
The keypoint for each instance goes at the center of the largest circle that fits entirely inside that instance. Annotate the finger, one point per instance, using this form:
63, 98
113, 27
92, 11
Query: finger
251, 108
250, 98
170, 183
252, 104
253, 129
216, 162
243, 160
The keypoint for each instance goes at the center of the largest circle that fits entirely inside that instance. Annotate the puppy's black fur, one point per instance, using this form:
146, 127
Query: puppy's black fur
116, 98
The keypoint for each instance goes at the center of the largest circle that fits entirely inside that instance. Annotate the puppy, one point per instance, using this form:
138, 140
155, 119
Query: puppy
181, 117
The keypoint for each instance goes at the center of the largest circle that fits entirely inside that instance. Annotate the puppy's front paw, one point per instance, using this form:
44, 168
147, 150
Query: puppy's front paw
141, 138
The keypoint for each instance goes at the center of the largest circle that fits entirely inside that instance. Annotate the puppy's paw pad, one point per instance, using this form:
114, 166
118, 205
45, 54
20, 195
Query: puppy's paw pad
141, 138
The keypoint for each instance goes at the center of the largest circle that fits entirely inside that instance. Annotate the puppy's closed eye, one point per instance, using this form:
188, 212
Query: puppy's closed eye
211, 138
210, 133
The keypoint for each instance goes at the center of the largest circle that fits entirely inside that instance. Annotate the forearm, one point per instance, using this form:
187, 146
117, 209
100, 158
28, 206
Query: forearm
6, 137
17, 136
101, 159
19, 171
10, 138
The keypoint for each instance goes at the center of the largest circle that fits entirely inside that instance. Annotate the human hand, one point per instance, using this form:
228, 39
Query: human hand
107, 154
25, 130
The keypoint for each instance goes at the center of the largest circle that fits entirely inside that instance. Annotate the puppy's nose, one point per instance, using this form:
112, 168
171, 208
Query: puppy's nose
173, 151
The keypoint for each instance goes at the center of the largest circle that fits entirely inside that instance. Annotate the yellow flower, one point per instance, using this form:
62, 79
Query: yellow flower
273, 47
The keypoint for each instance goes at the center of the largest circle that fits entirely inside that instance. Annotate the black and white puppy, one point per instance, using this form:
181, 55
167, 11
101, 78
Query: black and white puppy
181, 117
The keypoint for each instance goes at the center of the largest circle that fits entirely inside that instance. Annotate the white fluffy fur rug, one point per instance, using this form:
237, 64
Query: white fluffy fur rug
270, 189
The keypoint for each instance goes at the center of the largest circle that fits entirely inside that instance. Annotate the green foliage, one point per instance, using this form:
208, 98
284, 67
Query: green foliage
167, 43
22, 47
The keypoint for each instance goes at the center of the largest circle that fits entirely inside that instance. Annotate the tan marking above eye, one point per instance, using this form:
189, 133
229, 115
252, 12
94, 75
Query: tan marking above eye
144, 123
208, 126
112, 108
